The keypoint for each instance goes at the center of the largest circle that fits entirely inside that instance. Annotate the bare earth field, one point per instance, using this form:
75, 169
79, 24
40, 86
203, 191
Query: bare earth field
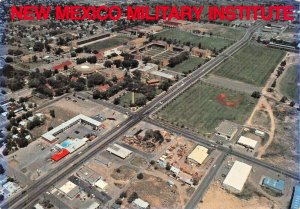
283, 149
155, 191
218, 198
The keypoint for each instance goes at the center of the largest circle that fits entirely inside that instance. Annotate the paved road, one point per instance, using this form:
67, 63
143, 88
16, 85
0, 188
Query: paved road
202, 188
67, 166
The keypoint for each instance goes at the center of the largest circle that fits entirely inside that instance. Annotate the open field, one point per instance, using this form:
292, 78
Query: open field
187, 65
223, 31
109, 43
253, 64
206, 42
204, 106
282, 151
288, 83
217, 197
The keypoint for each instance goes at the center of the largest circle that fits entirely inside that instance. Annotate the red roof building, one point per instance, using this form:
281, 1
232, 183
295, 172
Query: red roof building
60, 155
103, 88
62, 65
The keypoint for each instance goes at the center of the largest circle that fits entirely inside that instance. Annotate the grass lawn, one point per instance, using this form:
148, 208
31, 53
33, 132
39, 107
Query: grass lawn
204, 106
226, 32
125, 100
253, 64
187, 65
206, 42
108, 43
288, 83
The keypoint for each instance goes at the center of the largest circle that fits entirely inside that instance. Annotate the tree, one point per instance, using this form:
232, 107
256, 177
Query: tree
123, 195
107, 64
168, 166
117, 63
165, 85
117, 101
140, 176
283, 99
132, 197
52, 113
256, 94
137, 74
141, 101
92, 59
95, 79
283, 63
9, 59
73, 54
2, 170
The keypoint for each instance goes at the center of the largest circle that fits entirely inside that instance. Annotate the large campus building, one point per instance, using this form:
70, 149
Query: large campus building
52, 135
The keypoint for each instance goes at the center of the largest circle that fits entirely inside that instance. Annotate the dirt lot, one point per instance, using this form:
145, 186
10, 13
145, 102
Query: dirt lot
155, 191
226, 200
262, 119
123, 173
283, 149
139, 162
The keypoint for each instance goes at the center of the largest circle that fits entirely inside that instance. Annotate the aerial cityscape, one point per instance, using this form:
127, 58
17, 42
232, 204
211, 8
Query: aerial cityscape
189, 113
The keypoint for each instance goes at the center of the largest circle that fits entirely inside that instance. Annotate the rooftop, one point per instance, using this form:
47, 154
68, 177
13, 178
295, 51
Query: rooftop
119, 151
51, 135
227, 128
296, 198
199, 154
237, 175
273, 183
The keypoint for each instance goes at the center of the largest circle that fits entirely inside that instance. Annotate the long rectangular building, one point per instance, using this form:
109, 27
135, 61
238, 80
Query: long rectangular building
51, 135
296, 198
237, 177
119, 151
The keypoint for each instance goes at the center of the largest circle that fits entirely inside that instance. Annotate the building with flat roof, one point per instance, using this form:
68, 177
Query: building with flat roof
70, 189
119, 151
237, 177
296, 197
51, 135
273, 184
198, 155
227, 129
101, 184
247, 142
141, 203
60, 154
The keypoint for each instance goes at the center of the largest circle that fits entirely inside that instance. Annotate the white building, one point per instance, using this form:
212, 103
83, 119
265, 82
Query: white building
119, 151
237, 177
101, 184
51, 135
141, 203
247, 142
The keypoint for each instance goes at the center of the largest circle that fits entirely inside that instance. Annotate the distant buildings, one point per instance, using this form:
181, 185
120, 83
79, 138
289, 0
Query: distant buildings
237, 177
